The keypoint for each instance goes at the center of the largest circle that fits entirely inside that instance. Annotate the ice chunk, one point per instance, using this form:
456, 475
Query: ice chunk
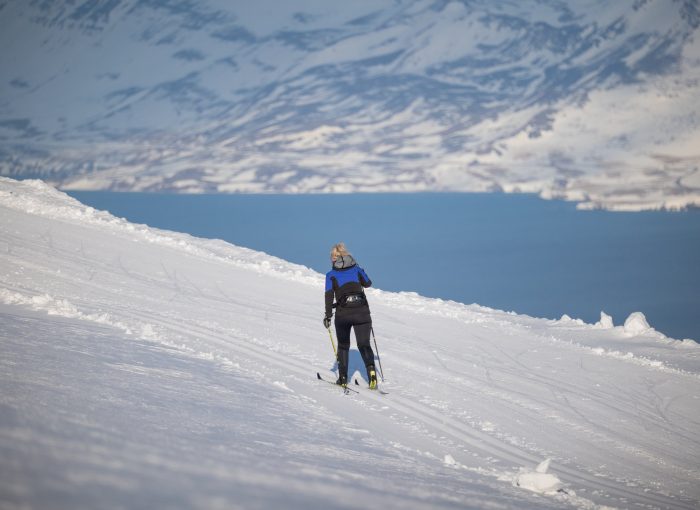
636, 324
538, 480
605, 321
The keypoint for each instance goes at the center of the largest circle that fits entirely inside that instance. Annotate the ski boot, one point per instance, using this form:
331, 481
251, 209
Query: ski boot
372, 376
342, 368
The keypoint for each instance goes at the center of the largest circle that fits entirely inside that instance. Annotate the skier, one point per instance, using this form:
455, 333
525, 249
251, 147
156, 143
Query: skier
346, 283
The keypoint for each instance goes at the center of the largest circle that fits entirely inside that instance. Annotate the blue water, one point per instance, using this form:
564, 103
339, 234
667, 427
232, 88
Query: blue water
511, 252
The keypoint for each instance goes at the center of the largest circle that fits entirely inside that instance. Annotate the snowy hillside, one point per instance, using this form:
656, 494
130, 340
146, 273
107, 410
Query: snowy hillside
593, 101
147, 369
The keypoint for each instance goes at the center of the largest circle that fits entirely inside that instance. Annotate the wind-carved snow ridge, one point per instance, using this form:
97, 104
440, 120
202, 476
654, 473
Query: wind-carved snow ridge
36, 197
593, 102
153, 365
63, 308
635, 325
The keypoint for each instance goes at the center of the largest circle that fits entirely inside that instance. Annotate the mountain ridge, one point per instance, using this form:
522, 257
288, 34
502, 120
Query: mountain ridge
593, 102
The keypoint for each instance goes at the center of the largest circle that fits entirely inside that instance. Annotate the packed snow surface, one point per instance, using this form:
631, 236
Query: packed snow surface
149, 369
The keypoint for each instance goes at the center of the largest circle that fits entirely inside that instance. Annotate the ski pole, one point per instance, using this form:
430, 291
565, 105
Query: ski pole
333, 344
381, 370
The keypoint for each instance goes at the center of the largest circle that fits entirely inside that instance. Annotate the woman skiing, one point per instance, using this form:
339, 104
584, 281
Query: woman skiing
346, 283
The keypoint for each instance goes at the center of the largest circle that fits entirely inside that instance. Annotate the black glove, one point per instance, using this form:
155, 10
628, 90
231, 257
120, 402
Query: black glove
326, 322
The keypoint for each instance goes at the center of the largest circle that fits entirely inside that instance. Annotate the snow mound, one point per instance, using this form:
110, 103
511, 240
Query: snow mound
538, 480
449, 460
605, 321
636, 324
566, 319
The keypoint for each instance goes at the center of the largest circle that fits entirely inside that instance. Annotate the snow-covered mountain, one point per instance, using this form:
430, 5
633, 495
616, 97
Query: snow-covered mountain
594, 101
141, 368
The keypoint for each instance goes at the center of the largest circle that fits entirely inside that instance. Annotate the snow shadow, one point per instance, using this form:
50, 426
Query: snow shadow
355, 365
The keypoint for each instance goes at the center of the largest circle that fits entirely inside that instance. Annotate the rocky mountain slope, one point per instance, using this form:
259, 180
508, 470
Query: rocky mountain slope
593, 101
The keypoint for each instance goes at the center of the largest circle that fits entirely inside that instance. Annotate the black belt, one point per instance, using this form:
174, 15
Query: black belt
351, 300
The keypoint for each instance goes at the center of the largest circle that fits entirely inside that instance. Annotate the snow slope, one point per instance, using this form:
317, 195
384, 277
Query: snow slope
594, 101
143, 368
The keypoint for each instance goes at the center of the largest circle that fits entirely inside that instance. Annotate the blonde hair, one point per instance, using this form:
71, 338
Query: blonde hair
339, 250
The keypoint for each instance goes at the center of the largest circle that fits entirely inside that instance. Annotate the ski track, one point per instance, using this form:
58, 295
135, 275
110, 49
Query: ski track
123, 286
475, 441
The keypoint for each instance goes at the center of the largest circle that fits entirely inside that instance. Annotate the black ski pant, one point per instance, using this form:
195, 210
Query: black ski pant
361, 322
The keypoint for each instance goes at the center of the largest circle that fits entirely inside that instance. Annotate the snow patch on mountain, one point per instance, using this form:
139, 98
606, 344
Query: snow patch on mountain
595, 102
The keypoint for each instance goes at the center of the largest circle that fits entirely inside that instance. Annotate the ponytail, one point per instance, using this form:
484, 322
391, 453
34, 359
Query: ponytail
339, 250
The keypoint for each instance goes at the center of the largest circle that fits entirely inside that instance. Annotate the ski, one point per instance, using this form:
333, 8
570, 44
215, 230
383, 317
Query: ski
378, 390
346, 390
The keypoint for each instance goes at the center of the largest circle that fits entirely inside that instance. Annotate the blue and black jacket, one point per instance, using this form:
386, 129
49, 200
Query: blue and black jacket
346, 283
